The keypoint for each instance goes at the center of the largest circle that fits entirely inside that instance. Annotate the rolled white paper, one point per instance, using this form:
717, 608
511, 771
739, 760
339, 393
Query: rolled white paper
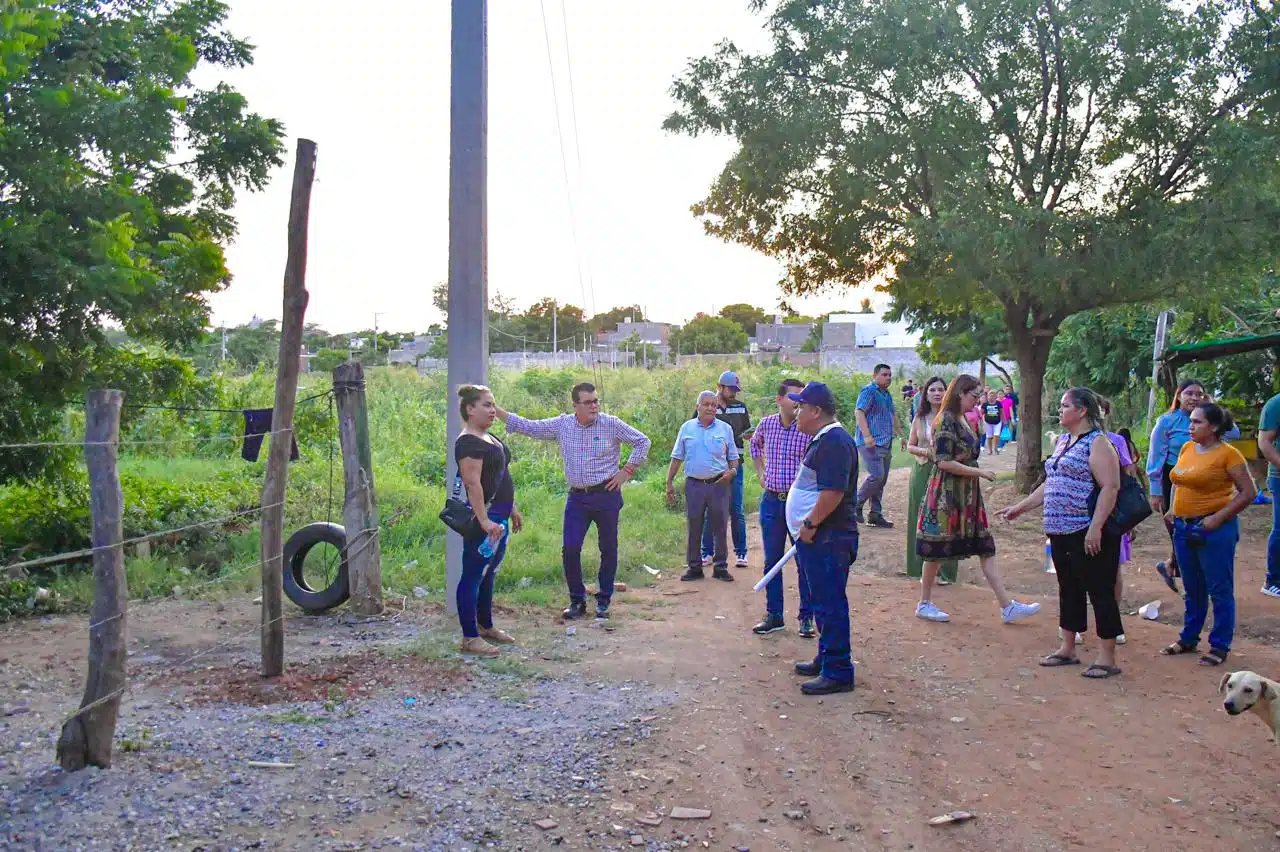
773, 572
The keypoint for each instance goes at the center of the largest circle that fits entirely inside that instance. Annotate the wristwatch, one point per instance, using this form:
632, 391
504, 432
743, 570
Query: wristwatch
809, 524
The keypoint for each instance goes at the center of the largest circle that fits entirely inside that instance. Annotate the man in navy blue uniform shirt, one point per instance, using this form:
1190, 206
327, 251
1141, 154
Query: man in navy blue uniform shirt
821, 514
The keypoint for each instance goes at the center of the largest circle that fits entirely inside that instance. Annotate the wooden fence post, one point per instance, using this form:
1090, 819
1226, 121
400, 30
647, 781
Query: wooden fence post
360, 506
277, 480
87, 736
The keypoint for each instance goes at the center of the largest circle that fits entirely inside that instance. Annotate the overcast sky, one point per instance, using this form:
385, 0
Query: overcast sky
370, 84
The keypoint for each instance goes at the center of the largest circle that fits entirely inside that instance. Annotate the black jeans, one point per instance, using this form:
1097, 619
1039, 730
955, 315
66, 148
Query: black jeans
1083, 578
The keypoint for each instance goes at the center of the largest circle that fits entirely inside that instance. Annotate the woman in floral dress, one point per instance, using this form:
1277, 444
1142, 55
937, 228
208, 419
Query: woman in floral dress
953, 520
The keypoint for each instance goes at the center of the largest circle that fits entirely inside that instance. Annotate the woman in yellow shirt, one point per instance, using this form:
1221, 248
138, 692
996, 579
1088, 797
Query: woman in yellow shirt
1211, 487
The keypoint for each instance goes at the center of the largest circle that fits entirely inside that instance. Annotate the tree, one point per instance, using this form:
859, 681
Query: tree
253, 348
535, 324
610, 320
707, 335
746, 316
117, 177
1043, 160
325, 360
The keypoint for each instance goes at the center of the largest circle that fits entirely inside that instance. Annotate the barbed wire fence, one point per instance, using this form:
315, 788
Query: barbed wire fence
88, 732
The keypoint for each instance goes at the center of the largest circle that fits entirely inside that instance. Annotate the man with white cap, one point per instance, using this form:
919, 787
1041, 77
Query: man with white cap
733, 411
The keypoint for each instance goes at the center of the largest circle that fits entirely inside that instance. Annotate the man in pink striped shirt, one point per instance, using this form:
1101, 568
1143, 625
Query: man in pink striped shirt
591, 447
782, 444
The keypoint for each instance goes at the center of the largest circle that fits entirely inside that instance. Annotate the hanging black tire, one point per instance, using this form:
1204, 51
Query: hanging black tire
295, 557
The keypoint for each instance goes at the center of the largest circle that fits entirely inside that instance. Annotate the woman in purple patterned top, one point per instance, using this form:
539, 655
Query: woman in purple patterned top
1086, 559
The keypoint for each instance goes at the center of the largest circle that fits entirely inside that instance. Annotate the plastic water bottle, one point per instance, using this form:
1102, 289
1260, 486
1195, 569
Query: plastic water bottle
1048, 558
486, 546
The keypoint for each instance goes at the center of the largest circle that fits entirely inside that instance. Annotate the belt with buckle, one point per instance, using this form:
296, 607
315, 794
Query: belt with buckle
704, 481
780, 495
591, 489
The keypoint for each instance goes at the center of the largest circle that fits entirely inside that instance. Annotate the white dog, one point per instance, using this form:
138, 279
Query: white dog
1252, 691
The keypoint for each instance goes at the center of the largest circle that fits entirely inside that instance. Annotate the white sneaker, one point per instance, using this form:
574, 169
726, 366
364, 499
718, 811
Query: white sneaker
929, 612
1271, 591
1016, 611
742, 562
1120, 640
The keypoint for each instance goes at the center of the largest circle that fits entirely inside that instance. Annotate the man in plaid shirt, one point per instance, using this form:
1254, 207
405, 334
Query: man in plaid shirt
780, 441
591, 447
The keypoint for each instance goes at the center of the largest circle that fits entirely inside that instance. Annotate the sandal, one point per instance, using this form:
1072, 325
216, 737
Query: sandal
1168, 576
1098, 671
1057, 660
1215, 657
1177, 648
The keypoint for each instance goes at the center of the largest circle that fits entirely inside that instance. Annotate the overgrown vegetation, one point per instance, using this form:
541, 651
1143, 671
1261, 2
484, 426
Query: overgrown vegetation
200, 478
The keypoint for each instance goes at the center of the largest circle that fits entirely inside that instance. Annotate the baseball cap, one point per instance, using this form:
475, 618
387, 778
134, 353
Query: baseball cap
730, 380
815, 393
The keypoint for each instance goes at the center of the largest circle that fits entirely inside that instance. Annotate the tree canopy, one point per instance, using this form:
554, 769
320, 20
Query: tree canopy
117, 177
1040, 156
708, 335
746, 316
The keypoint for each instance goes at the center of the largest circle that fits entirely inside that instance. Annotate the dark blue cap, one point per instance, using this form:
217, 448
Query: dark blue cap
815, 393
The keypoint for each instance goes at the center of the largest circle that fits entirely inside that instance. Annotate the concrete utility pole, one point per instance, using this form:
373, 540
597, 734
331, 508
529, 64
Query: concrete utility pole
555, 339
1162, 334
468, 239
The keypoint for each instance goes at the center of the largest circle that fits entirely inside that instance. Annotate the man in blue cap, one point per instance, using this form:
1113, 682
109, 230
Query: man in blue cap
733, 411
821, 515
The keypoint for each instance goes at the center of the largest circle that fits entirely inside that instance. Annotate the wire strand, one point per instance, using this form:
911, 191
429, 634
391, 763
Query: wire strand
145, 441
81, 554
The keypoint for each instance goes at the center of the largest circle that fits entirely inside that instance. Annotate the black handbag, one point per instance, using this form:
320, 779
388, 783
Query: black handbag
1132, 506
458, 517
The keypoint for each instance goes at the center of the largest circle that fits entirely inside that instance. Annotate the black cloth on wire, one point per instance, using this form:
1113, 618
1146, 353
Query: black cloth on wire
257, 423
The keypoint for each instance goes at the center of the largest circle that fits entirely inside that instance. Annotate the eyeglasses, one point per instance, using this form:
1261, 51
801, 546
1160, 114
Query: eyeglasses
588, 402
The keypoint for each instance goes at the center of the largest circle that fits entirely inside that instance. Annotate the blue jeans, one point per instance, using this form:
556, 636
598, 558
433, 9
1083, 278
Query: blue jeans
580, 512
1273, 543
737, 522
876, 461
826, 561
773, 529
475, 589
1208, 573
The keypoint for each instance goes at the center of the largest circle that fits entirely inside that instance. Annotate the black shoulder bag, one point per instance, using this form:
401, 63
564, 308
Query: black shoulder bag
1133, 506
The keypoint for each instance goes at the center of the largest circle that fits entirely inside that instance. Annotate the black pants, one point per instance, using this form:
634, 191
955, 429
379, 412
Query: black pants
1167, 481
1083, 578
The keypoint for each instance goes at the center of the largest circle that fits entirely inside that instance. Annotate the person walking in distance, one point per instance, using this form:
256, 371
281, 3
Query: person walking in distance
1086, 558
920, 445
1170, 434
705, 447
777, 449
953, 519
591, 448
991, 417
733, 411
820, 514
484, 483
877, 424
1269, 446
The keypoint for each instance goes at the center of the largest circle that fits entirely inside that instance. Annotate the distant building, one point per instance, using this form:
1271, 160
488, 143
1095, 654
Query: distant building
411, 350
844, 332
782, 337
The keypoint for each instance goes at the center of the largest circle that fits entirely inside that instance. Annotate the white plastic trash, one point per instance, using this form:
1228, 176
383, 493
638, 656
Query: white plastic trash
1150, 611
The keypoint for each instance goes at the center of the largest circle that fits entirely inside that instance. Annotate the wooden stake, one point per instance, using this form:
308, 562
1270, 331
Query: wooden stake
276, 486
360, 508
87, 736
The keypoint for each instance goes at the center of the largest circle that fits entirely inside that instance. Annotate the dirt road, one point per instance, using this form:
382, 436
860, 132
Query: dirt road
944, 717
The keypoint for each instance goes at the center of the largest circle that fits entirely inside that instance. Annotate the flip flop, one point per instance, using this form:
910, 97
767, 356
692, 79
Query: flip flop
1163, 570
1097, 671
1215, 657
1177, 649
1056, 660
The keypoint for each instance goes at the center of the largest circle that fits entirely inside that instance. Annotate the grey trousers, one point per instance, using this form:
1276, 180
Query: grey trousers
706, 502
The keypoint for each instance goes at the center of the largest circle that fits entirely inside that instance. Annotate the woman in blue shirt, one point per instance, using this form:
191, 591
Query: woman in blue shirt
1171, 432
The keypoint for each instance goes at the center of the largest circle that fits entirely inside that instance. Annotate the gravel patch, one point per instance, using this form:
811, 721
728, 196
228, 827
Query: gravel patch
463, 769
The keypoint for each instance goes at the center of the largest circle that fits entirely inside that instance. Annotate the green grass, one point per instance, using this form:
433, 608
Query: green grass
297, 717
407, 428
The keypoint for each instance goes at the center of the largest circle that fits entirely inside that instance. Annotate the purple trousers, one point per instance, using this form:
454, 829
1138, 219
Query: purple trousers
580, 511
